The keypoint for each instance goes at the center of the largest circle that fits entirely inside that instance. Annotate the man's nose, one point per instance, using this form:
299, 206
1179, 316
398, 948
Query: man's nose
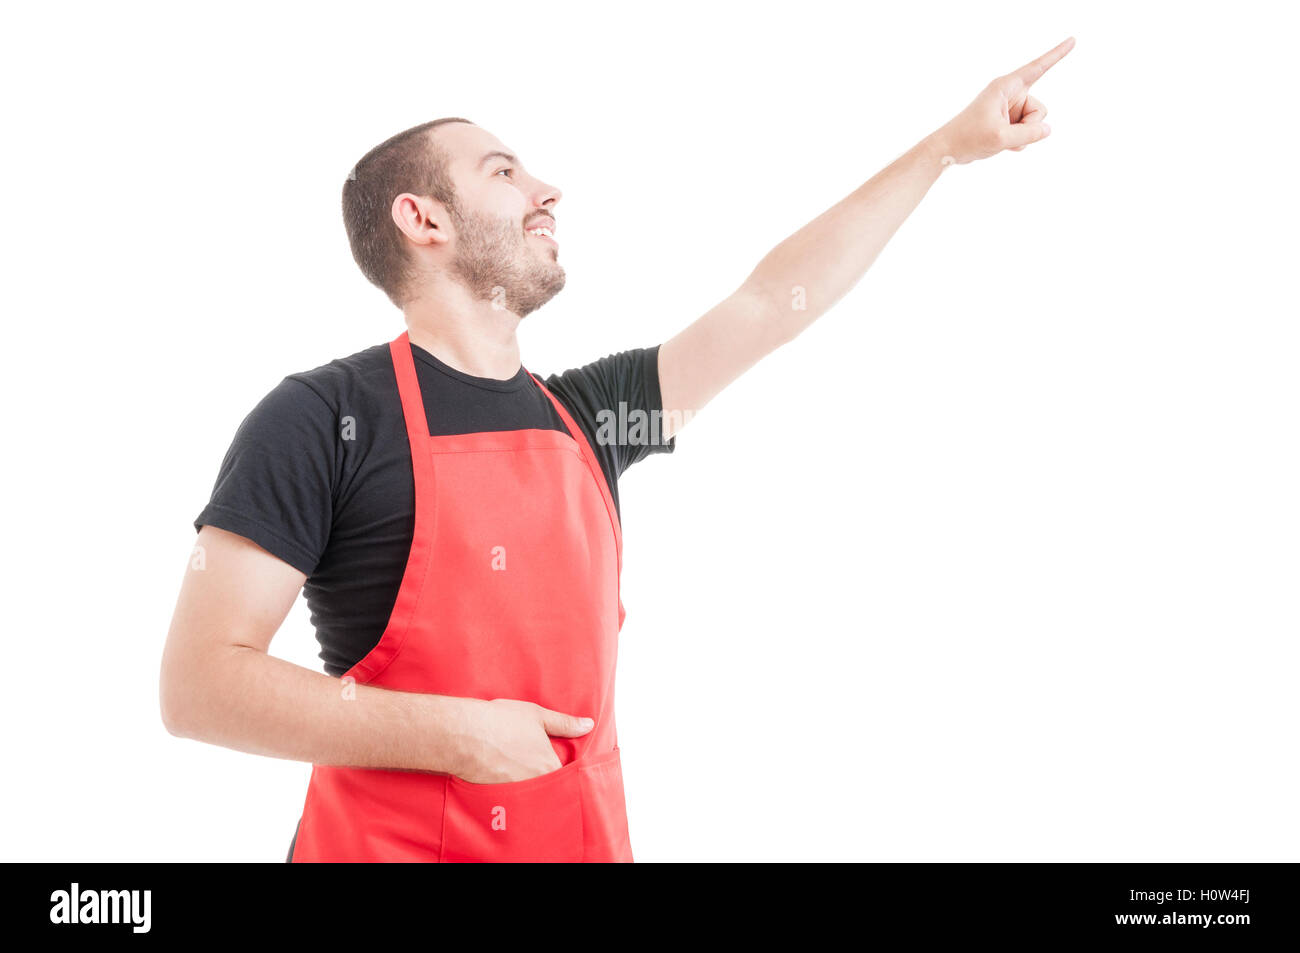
547, 196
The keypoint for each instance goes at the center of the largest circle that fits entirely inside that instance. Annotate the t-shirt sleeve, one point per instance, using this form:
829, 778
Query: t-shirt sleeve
617, 398
276, 483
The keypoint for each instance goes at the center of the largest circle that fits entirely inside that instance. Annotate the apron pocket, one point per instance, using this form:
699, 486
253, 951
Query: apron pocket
604, 812
537, 820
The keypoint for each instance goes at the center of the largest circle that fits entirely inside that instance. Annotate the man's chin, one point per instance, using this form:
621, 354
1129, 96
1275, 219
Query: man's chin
542, 293
555, 278
556, 288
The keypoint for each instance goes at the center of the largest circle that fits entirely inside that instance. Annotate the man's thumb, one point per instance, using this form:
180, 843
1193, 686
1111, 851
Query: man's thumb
565, 726
1021, 134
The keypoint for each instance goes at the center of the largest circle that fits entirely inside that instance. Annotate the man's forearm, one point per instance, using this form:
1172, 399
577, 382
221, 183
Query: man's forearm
801, 278
251, 701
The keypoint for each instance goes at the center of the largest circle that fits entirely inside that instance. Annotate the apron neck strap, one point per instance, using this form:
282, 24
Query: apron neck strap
408, 387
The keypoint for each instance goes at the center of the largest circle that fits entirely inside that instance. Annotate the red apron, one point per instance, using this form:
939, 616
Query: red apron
511, 590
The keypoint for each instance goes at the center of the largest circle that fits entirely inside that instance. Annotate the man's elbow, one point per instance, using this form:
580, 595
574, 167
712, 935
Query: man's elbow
172, 707
179, 697
776, 316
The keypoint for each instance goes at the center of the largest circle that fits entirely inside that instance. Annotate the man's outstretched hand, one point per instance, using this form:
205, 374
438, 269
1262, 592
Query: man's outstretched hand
1002, 116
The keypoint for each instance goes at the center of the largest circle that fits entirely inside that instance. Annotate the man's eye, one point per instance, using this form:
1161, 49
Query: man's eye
508, 172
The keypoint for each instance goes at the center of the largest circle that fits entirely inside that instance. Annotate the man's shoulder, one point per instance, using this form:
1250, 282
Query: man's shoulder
363, 368
349, 378
314, 399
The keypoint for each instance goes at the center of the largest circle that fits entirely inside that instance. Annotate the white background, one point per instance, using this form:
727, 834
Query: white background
998, 561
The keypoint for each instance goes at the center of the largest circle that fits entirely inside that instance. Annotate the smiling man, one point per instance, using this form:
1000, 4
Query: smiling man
453, 520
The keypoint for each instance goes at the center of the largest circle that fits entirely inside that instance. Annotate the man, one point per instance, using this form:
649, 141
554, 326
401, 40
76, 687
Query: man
454, 520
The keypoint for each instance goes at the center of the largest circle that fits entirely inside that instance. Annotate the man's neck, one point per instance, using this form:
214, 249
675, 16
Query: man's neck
471, 335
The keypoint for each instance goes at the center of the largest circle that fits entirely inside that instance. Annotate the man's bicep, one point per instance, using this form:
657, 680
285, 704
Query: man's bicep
234, 596
234, 592
698, 362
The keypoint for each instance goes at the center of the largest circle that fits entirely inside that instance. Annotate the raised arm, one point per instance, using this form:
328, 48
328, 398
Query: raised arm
801, 278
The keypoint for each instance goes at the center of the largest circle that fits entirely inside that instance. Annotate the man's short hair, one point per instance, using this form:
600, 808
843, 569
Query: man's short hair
408, 162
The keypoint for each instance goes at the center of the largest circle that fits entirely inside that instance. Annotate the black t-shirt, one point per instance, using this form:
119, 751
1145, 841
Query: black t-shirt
319, 473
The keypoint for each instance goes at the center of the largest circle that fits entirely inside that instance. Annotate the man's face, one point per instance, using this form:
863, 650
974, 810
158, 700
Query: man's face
504, 249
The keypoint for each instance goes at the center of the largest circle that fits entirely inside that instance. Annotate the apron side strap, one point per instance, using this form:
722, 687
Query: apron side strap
593, 464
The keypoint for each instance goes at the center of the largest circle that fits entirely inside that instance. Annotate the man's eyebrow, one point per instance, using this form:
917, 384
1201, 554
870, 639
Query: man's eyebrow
497, 155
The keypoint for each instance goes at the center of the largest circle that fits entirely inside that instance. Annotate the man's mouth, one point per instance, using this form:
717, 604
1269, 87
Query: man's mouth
544, 230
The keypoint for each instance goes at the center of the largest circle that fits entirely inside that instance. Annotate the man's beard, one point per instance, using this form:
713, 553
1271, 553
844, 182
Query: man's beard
494, 263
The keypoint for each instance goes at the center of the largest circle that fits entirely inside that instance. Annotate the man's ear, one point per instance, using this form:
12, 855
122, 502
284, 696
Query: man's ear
421, 219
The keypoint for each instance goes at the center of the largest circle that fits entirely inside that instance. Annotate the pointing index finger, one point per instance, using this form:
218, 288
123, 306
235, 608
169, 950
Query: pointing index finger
1033, 70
